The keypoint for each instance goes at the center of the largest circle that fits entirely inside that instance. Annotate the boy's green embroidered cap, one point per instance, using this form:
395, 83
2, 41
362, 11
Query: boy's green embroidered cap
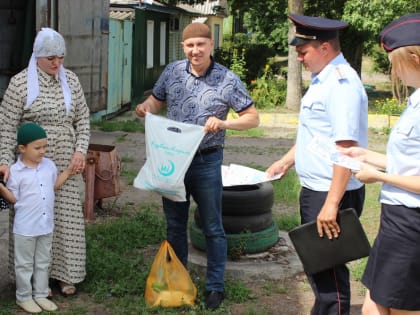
29, 132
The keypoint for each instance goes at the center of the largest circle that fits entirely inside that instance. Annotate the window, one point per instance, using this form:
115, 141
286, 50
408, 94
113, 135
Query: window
216, 35
162, 58
149, 41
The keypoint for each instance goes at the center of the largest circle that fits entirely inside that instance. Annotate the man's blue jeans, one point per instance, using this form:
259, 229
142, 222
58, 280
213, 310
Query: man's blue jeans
203, 181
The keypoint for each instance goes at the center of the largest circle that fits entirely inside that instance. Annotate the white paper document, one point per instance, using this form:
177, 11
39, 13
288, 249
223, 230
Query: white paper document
327, 149
235, 175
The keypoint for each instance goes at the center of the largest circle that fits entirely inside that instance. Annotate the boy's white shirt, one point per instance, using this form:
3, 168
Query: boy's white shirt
33, 189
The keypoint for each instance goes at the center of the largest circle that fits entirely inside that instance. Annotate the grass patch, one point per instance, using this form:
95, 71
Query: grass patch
252, 133
119, 125
115, 263
287, 189
288, 222
129, 175
238, 292
119, 256
277, 287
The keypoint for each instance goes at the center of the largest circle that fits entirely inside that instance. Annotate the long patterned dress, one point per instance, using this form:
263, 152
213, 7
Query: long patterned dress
67, 133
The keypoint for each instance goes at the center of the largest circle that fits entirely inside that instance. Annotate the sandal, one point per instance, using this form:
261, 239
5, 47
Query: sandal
66, 289
50, 294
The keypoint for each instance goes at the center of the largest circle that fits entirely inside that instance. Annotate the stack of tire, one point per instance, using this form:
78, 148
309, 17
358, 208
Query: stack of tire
247, 219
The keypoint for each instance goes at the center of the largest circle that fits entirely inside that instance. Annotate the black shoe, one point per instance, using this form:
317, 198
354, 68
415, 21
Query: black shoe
214, 299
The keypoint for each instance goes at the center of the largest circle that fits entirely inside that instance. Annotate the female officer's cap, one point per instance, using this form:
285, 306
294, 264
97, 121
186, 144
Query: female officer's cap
401, 32
314, 28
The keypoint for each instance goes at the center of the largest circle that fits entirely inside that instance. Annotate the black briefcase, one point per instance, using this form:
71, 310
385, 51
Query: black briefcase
320, 253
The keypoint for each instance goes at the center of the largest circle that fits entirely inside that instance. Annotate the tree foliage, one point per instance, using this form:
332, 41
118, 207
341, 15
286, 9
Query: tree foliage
267, 24
267, 21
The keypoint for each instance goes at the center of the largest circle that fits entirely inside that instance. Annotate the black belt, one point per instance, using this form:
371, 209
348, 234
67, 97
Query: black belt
208, 150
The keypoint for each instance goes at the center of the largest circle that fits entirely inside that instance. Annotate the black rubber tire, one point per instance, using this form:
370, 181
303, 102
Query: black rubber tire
247, 199
241, 224
247, 243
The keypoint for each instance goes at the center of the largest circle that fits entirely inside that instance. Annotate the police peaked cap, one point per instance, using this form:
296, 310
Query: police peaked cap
314, 28
404, 31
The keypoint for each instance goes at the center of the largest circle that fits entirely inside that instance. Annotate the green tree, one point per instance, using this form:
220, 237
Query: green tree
265, 21
367, 19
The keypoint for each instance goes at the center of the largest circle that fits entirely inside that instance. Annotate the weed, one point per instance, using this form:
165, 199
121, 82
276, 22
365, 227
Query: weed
236, 252
271, 287
288, 222
8, 308
238, 292
268, 91
389, 106
129, 175
115, 262
288, 188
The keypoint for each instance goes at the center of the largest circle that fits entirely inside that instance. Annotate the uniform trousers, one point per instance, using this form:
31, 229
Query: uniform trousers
331, 287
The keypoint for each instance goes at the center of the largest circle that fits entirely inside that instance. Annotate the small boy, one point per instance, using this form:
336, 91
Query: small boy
30, 187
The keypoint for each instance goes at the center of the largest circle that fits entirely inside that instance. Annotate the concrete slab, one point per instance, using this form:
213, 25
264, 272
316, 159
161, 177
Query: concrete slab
277, 263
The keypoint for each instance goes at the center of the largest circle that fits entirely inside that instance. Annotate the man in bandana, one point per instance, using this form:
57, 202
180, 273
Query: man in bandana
197, 90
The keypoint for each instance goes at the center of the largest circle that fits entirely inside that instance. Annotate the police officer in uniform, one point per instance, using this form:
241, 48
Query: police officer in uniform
334, 107
392, 274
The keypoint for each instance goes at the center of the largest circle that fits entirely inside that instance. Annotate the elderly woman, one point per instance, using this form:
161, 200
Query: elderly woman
50, 95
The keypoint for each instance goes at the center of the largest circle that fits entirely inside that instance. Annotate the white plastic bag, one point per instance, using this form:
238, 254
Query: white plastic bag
170, 148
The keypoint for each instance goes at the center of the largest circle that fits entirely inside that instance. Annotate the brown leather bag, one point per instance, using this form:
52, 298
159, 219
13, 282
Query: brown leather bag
107, 170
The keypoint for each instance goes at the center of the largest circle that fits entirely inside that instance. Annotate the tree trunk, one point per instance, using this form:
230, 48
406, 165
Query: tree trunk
352, 47
294, 68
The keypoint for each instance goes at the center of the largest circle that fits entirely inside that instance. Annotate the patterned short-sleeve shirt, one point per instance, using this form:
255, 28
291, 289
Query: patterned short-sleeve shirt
192, 99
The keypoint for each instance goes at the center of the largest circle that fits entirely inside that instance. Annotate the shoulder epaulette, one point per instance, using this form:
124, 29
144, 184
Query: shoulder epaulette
341, 72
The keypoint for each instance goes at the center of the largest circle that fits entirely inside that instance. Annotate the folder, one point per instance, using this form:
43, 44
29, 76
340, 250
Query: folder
320, 253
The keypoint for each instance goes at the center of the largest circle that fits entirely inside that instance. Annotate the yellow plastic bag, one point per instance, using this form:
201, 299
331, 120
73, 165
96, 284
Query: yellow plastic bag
169, 283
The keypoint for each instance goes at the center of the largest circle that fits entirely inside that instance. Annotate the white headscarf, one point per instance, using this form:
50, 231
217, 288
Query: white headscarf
47, 43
